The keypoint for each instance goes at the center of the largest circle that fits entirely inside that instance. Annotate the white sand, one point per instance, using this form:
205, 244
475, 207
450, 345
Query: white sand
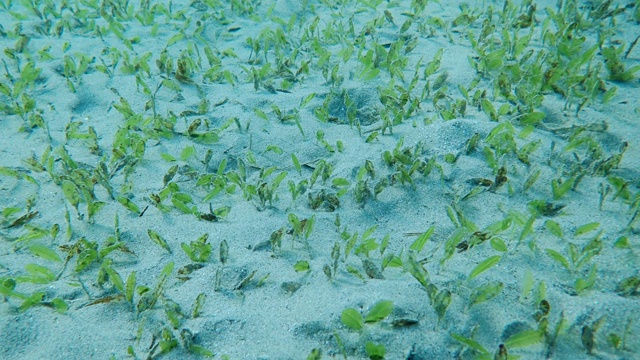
262, 320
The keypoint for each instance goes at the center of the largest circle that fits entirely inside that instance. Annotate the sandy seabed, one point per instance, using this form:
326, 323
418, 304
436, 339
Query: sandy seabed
319, 179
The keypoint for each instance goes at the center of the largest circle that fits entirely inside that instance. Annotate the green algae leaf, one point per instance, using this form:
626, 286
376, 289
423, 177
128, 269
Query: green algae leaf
115, 279
559, 258
524, 338
199, 350
158, 240
375, 351
498, 244
33, 300
301, 265
583, 284
71, 192
126, 202
44, 252
422, 240
33, 233
532, 118
7, 287
417, 271
261, 114
379, 311
352, 319
554, 228
86, 258
130, 287
484, 266
59, 305
527, 284
175, 38
470, 343
197, 307
187, 152
168, 157
485, 292
586, 228
296, 163
16, 174
39, 274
